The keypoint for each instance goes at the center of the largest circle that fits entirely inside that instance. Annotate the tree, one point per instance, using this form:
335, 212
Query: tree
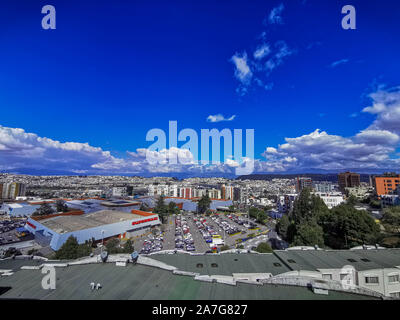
309, 233
61, 206
264, 247
391, 216
346, 227
224, 248
161, 209
204, 204
71, 249
112, 246
173, 208
44, 210
282, 227
307, 206
352, 200
128, 246
143, 207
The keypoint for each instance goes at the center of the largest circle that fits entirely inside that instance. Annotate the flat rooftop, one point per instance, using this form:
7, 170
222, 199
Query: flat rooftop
139, 282
65, 224
120, 203
328, 259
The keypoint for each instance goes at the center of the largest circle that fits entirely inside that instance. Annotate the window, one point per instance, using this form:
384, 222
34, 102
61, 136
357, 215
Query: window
214, 265
343, 276
291, 261
371, 280
365, 260
394, 278
277, 264
327, 276
395, 294
351, 260
199, 265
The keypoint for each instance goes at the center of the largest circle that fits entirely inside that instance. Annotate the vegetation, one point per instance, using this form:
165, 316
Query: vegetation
264, 247
258, 214
312, 223
71, 249
161, 209
114, 246
144, 207
173, 208
204, 204
44, 210
224, 248
61, 206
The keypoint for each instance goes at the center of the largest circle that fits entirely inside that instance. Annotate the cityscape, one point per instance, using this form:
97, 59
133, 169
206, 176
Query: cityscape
209, 151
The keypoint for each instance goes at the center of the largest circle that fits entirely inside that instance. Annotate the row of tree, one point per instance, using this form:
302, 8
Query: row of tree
71, 249
46, 209
312, 223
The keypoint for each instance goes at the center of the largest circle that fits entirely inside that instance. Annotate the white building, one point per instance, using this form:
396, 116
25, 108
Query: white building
331, 199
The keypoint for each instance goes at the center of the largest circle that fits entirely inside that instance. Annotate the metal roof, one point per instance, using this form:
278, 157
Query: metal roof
140, 282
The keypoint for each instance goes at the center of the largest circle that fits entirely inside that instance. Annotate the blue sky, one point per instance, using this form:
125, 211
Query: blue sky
112, 70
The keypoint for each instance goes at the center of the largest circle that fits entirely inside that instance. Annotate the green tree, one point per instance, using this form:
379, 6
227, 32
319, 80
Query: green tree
204, 204
72, 250
128, 246
282, 227
61, 206
224, 248
264, 247
346, 227
307, 206
112, 246
391, 216
43, 210
309, 233
173, 208
161, 209
352, 200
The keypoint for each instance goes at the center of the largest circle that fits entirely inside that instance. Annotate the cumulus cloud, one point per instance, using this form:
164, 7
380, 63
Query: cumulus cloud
371, 148
386, 107
219, 117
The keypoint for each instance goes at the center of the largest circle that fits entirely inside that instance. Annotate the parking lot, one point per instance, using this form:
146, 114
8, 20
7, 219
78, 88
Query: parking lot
8, 231
196, 233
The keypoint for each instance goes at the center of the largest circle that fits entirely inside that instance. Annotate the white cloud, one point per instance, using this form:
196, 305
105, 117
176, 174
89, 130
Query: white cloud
219, 117
339, 62
242, 69
262, 51
275, 15
386, 107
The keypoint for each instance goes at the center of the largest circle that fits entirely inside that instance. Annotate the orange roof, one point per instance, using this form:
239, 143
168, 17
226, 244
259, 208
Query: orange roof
142, 213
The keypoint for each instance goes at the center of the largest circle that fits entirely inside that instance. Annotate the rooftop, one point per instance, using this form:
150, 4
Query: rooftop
140, 282
64, 224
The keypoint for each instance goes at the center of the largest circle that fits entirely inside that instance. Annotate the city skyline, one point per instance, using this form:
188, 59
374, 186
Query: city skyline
320, 98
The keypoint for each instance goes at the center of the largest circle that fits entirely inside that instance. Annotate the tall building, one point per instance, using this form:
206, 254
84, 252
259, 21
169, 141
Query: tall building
227, 192
324, 187
303, 182
348, 180
186, 193
12, 190
388, 183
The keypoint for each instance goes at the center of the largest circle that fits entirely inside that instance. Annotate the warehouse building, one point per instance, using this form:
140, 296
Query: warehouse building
18, 209
103, 224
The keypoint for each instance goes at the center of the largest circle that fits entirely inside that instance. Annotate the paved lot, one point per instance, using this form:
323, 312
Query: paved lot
200, 244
